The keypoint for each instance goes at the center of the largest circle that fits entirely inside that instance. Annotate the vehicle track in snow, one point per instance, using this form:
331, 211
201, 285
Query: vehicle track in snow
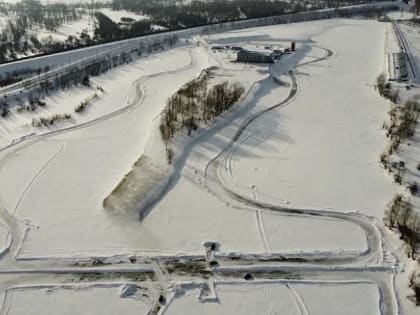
18, 228
214, 181
220, 166
137, 84
36, 176
298, 299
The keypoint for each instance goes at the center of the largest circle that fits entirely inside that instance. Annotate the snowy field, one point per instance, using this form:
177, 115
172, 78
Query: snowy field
74, 28
231, 298
326, 143
117, 94
66, 300
71, 161
291, 173
400, 15
291, 298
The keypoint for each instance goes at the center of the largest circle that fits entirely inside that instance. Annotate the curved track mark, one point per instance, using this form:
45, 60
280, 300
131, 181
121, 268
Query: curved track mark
30, 184
298, 299
372, 254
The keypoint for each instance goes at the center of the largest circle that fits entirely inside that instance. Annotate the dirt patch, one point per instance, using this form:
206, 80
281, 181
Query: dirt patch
189, 268
135, 188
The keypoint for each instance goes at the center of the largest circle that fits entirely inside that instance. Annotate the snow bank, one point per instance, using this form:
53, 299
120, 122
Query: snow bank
141, 184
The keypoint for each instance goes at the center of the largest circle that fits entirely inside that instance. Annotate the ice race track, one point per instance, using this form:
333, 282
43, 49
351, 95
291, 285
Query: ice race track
275, 207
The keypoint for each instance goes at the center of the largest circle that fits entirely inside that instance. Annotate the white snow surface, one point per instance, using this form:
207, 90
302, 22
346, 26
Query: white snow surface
119, 91
319, 151
58, 182
400, 15
73, 28
288, 298
322, 150
67, 300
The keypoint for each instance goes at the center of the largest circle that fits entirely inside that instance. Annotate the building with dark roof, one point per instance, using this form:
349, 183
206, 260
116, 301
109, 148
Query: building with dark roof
255, 56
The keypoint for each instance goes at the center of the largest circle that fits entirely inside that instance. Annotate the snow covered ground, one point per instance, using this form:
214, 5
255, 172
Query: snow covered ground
117, 94
326, 144
71, 161
400, 15
291, 298
160, 229
74, 28
72, 299
281, 173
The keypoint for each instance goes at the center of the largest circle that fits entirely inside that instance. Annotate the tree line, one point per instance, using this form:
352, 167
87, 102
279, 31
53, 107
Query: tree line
401, 217
175, 14
16, 37
402, 124
107, 29
72, 77
399, 214
195, 103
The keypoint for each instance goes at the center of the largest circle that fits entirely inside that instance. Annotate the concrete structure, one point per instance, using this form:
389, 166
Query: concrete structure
397, 67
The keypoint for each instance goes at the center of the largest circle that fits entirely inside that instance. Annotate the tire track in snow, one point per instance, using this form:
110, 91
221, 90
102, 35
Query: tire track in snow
37, 175
9, 220
137, 101
262, 303
261, 231
374, 250
7, 300
17, 233
298, 299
